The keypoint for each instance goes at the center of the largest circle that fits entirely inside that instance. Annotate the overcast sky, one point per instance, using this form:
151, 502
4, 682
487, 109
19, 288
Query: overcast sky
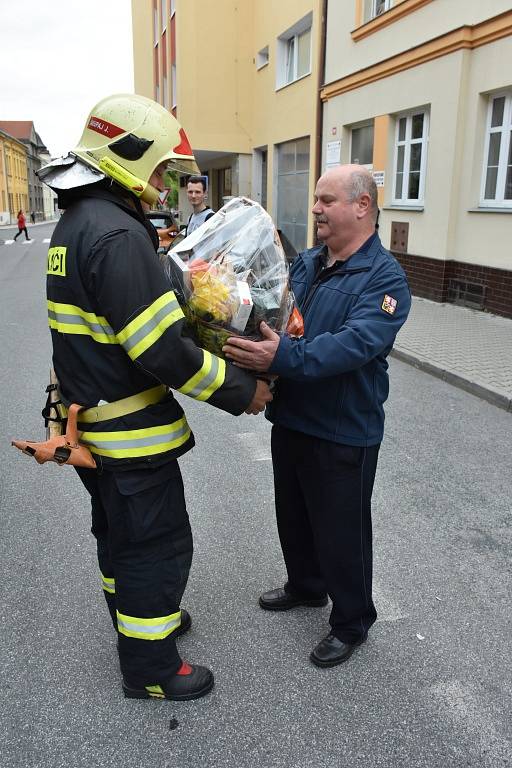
58, 58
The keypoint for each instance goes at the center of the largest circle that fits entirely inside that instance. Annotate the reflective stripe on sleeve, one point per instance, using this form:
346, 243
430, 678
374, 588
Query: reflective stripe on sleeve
208, 378
126, 444
68, 318
148, 629
109, 585
142, 332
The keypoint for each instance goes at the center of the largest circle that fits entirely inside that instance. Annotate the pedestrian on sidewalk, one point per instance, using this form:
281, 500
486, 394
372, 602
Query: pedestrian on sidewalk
327, 412
22, 226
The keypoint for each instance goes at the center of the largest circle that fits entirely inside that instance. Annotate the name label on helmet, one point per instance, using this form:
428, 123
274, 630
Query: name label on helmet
104, 127
57, 261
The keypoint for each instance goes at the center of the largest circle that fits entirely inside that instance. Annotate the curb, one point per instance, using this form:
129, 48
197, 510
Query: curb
501, 401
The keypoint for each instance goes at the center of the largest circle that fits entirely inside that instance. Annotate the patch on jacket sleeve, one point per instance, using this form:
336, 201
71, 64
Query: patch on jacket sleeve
389, 304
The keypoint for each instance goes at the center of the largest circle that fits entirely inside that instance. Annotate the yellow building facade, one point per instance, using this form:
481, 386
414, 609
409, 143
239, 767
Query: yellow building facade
13, 178
420, 92
243, 80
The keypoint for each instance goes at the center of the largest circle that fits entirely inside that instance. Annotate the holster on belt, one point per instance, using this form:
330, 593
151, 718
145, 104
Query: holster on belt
62, 449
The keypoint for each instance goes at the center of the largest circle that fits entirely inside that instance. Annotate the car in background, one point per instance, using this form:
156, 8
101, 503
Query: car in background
167, 229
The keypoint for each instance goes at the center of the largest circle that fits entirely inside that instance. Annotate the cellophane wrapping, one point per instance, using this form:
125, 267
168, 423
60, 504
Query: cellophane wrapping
230, 274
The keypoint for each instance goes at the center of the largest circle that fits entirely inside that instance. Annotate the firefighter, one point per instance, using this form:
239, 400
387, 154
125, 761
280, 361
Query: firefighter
119, 344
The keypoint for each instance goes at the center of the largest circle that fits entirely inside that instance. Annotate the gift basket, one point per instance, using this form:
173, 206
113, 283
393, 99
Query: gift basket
230, 274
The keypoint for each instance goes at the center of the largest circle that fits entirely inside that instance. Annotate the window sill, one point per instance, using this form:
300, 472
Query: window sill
262, 66
485, 209
416, 208
403, 8
285, 85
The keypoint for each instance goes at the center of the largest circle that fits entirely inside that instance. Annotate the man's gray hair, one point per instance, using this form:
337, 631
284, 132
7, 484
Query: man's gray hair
362, 183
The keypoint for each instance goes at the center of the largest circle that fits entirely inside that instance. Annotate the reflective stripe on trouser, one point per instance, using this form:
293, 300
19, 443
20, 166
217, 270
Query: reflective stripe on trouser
133, 443
148, 629
109, 585
145, 544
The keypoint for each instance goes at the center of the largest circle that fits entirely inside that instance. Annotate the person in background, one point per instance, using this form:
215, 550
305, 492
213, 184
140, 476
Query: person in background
196, 193
22, 226
327, 412
32, 217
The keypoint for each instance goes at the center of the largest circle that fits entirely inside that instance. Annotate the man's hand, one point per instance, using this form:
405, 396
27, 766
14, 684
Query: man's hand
254, 355
262, 396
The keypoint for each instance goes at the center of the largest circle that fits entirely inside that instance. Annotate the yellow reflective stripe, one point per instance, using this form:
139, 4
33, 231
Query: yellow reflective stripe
142, 332
208, 378
156, 691
109, 585
124, 407
68, 318
132, 443
148, 629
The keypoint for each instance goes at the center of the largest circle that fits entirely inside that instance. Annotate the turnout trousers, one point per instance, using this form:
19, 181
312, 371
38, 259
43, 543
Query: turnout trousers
323, 505
144, 545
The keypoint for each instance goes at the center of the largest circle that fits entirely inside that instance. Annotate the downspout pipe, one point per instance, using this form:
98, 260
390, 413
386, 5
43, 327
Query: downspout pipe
321, 83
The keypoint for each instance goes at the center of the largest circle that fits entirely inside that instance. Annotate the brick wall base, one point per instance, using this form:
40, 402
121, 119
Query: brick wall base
452, 281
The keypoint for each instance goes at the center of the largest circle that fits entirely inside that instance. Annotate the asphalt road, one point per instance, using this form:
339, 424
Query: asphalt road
430, 689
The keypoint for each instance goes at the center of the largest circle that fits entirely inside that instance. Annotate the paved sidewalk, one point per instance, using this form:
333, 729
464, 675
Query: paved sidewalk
465, 347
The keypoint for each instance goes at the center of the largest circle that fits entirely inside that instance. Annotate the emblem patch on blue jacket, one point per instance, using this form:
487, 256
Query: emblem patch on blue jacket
389, 304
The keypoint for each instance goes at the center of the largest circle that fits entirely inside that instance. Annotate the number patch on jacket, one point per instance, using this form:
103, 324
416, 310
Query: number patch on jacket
57, 261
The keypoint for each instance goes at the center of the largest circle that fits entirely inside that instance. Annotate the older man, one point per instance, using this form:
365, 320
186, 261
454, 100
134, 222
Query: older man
328, 412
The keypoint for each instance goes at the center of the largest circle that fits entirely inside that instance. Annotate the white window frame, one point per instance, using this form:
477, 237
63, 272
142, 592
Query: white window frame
371, 9
505, 129
262, 58
407, 143
172, 8
356, 127
284, 42
163, 15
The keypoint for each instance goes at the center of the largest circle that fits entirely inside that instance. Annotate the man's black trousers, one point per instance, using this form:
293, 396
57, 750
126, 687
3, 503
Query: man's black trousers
144, 544
323, 504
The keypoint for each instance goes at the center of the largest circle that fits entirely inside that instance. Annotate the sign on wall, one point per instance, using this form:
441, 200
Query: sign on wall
379, 178
333, 154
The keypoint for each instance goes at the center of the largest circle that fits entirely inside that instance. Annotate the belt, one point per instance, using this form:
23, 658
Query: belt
123, 407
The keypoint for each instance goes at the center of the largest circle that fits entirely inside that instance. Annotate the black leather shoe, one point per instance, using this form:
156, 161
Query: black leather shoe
331, 651
281, 600
190, 682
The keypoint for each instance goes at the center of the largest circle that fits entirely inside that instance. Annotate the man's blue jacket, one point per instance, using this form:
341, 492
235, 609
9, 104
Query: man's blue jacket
333, 382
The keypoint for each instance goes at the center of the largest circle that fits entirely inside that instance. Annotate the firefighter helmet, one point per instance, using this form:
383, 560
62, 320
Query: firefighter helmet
127, 136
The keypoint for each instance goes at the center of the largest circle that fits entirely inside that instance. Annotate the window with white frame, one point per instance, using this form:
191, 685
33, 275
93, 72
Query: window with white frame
497, 175
410, 158
374, 8
361, 145
262, 58
294, 52
173, 8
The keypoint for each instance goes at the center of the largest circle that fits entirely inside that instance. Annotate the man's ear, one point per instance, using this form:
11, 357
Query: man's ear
363, 205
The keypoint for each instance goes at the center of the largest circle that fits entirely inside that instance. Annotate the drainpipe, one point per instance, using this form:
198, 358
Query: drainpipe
321, 78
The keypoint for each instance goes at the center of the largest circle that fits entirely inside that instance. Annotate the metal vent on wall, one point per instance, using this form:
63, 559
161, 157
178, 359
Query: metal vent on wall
466, 294
399, 236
